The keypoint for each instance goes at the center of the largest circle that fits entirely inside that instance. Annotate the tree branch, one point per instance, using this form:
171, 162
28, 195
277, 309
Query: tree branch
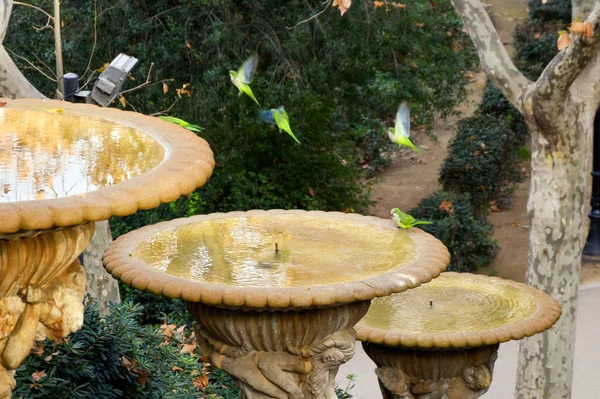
492, 54
555, 81
31, 64
20, 3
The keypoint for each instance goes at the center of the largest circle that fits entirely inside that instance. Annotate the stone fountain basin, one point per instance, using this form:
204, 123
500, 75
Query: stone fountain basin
229, 260
64, 164
459, 310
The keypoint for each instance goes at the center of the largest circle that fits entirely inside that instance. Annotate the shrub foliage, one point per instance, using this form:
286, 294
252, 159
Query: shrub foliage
468, 238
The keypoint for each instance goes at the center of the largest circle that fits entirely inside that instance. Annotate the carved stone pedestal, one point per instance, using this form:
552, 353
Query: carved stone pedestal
41, 292
433, 374
279, 354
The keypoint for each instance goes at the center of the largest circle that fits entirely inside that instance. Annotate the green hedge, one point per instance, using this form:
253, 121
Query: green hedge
553, 10
335, 75
468, 238
482, 162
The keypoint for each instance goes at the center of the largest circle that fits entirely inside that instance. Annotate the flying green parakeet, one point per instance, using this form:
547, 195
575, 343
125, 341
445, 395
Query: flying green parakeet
400, 133
243, 77
280, 118
404, 220
182, 123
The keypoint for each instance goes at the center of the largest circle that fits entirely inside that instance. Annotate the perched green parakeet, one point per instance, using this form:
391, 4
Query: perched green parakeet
404, 220
400, 133
280, 118
243, 77
182, 123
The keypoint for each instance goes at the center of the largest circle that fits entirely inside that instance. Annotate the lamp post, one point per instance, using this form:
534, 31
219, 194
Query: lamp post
592, 245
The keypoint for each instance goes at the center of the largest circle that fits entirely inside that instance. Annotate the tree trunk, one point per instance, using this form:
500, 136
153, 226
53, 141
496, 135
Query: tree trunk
60, 88
100, 283
12, 82
14, 85
581, 8
556, 214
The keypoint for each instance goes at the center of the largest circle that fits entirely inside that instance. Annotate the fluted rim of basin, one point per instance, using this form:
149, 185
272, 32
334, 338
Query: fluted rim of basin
188, 163
547, 312
431, 258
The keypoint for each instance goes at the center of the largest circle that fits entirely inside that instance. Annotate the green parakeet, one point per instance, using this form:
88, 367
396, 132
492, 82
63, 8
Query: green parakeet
243, 77
280, 118
404, 220
400, 133
182, 123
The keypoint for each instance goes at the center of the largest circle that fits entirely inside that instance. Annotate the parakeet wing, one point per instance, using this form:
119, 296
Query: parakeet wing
284, 114
402, 126
266, 115
247, 69
173, 120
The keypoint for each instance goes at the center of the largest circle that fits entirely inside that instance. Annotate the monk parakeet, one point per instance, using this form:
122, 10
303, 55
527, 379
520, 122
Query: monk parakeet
243, 77
280, 118
404, 220
400, 133
182, 123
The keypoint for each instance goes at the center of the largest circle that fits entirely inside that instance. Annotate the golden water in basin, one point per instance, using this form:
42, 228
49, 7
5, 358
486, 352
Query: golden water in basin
46, 154
241, 251
452, 303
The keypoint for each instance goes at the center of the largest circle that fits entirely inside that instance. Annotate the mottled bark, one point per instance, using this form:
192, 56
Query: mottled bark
493, 56
556, 217
559, 109
100, 284
14, 85
12, 82
581, 8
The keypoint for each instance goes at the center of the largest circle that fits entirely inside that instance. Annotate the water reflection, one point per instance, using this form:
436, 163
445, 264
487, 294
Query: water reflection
44, 154
311, 251
451, 304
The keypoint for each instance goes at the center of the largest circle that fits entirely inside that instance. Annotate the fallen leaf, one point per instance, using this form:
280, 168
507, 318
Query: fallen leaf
419, 24
378, 4
102, 68
142, 378
446, 206
588, 30
483, 145
400, 5
544, 1
167, 329
184, 90
38, 375
564, 41
515, 224
165, 88
188, 45
342, 5
414, 66
344, 162
131, 77
311, 192
576, 27
123, 101
188, 348
38, 350
472, 138
537, 36
176, 368
482, 187
494, 208
201, 382
2, 104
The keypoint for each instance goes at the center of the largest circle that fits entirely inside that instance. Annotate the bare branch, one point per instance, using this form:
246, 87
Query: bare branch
147, 82
89, 64
492, 54
47, 26
166, 111
30, 63
555, 81
312, 17
20, 3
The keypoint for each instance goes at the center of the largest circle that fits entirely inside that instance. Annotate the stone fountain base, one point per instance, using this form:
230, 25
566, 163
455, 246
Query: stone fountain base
433, 373
291, 353
41, 292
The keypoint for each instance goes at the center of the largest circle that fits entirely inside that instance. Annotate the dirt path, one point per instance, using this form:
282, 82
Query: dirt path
413, 177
